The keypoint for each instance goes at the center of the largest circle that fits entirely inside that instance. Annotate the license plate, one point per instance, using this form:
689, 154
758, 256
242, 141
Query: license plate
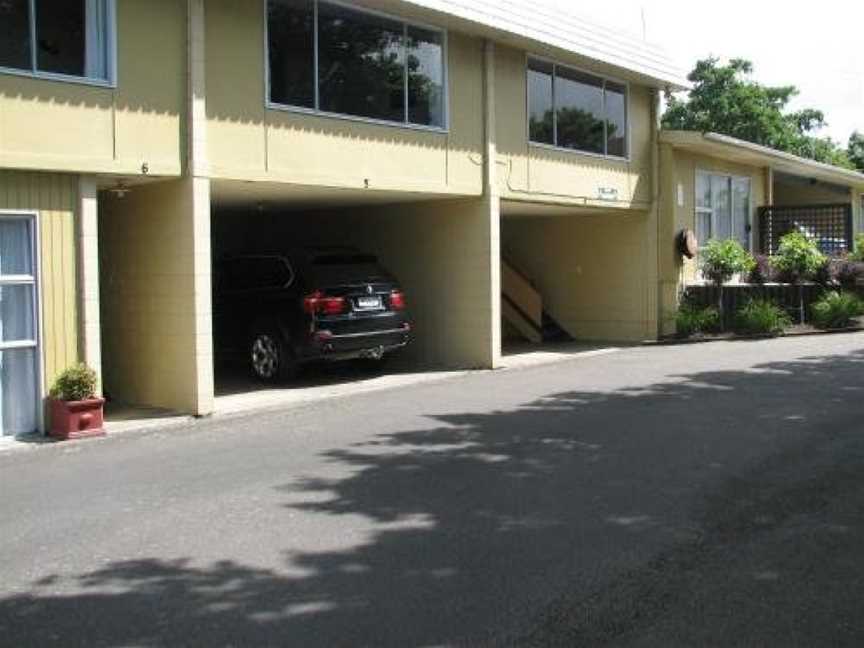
369, 303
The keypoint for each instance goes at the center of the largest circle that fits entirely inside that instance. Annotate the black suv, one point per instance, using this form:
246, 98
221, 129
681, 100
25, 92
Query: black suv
284, 310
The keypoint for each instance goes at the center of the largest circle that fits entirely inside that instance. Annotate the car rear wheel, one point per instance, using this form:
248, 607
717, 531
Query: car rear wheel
270, 357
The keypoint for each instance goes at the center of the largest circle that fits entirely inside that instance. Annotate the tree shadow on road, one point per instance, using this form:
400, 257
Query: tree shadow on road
716, 507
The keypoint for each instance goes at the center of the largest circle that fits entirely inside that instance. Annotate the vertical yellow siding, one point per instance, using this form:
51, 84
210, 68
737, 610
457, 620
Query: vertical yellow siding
54, 198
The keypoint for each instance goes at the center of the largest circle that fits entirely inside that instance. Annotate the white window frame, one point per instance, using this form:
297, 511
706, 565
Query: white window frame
730, 177
271, 105
604, 78
111, 54
28, 280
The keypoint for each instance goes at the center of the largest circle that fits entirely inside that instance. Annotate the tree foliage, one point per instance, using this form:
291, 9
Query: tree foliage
798, 257
724, 99
856, 150
721, 260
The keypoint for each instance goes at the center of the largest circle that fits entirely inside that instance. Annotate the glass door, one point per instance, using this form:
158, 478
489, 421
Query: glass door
19, 397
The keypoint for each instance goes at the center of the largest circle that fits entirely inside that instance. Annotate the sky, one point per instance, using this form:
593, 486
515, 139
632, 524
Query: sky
816, 46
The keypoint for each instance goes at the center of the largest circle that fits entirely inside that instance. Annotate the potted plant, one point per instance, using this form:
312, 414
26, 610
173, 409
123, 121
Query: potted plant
76, 409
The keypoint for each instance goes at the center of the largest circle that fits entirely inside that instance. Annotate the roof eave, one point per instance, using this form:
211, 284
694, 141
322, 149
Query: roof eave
715, 144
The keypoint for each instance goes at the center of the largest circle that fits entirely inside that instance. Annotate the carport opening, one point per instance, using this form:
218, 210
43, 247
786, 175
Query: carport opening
372, 230
588, 269
528, 277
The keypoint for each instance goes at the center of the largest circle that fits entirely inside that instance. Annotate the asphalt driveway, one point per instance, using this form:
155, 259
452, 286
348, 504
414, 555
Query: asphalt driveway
695, 495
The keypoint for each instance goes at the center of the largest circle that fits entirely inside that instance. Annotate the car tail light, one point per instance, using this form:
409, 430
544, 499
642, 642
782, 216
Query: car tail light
318, 304
397, 300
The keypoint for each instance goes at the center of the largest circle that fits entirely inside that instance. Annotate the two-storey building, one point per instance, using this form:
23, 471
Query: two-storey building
477, 147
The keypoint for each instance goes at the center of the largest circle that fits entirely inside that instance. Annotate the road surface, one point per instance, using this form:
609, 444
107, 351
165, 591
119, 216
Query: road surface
693, 495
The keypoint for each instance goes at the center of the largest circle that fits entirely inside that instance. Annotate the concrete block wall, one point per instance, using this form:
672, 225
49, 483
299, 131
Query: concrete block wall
446, 255
156, 296
597, 274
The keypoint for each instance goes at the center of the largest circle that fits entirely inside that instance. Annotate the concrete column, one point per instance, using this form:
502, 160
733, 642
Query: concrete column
87, 232
198, 164
157, 273
198, 187
492, 208
656, 238
156, 303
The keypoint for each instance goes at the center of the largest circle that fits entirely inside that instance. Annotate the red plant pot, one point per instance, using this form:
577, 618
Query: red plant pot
77, 419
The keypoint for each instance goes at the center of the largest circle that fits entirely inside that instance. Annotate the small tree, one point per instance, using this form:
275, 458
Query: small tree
798, 259
722, 260
857, 253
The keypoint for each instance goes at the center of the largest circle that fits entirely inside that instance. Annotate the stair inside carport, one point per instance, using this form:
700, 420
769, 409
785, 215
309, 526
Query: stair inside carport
522, 308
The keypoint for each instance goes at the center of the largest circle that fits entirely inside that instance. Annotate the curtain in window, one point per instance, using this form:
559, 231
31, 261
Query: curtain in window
18, 398
96, 53
15, 253
17, 392
741, 211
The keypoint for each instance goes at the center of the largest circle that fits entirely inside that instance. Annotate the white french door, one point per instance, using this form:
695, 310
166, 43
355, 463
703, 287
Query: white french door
19, 326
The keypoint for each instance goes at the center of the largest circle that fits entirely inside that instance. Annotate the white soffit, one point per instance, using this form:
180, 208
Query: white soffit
568, 32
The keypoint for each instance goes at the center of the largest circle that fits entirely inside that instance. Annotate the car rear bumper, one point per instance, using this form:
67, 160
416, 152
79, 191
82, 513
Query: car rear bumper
347, 346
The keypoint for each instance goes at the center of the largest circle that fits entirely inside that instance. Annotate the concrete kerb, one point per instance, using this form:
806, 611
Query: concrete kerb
673, 341
232, 407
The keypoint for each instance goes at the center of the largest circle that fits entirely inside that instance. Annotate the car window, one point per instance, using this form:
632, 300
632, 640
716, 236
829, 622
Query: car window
256, 273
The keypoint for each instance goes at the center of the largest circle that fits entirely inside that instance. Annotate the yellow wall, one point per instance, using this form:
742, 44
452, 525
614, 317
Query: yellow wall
793, 193
678, 168
54, 198
61, 126
156, 315
539, 173
247, 141
597, 274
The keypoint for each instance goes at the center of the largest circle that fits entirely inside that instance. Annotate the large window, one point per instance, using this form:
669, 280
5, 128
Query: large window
70, 38
330, 58
722, 208
575, 110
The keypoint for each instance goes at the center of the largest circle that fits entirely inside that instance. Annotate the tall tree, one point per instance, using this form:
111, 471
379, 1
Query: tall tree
855, 151
724, 99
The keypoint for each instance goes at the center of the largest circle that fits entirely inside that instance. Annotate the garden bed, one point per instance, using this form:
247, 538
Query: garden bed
728, 336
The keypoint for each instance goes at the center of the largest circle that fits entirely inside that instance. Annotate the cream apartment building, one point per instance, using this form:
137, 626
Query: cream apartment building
477, 147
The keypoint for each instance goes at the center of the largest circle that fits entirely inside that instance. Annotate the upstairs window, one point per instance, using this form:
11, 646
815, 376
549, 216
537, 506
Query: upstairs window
576, 110
69, 38
339, 60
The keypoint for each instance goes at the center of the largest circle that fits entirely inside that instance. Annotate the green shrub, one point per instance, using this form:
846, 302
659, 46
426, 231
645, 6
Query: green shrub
858, 249
721, 260
762, 317
694, 319
798, 258
837, 310
76, 383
